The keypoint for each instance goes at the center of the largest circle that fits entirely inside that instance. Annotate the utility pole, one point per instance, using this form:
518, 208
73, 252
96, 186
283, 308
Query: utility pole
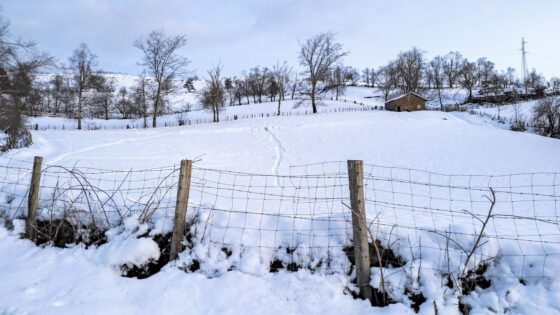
524, 69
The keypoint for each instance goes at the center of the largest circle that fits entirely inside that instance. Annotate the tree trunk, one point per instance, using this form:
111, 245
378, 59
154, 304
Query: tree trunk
106, 110
80, 109
439, 96
313, 98
156, 104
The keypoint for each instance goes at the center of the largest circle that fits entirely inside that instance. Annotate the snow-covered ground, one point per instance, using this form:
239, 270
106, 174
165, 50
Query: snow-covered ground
86, 280
78, 281
507, 112
422, 140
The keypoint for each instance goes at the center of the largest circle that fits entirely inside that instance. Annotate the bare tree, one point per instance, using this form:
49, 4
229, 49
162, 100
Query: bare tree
281, 74
509, 76
57, 91
238, 89
369, 75
535, 80
373, 76
228, 85
12, 123
104, 88
124, 105
189, 84
318, 55
163, 62
82, 63
257, 81
366, 75
546, 116
555, 84
436, 68
452, 67
387, 77
294, 86
19, 61
468, 76
337, 81
410, 65
141, 97
351, 76
213, 96
485, 69
518, 123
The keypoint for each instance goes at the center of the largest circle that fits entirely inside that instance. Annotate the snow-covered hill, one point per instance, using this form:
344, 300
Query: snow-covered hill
79, 278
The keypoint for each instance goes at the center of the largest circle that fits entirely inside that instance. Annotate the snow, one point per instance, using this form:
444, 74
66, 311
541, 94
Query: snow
507, 112
420, 140
427, 145
70, 281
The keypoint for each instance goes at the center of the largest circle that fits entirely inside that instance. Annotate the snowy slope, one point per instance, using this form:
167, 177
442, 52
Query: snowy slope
507, 112
428, 141
422, 140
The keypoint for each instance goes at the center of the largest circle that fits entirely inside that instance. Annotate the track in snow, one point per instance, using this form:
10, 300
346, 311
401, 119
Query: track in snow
278, 148
104, 145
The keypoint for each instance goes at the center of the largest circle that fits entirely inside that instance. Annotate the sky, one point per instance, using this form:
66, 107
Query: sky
242, 34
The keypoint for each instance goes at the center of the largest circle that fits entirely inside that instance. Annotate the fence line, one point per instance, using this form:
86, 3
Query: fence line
303, 218
186, 121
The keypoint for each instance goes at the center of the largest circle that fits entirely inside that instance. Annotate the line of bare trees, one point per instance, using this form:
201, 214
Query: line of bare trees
81, 89
411, 71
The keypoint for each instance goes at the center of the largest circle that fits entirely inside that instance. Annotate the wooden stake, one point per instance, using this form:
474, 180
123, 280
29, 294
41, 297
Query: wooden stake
359, 227
33, 198
179, 220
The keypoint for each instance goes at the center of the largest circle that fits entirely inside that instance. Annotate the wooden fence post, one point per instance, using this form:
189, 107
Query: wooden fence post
359, 227
179, 220
33, 198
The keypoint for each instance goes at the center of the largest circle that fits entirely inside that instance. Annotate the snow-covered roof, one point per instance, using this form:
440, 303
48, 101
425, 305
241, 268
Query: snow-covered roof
413, 93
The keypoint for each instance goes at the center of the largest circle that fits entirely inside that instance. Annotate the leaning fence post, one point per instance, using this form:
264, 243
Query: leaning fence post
33, 197
179, 219
359, 227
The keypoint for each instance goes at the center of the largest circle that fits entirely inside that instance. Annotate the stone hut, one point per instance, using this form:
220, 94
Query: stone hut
406, 103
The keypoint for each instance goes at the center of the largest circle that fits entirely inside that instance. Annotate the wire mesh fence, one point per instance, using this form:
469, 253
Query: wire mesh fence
446, 223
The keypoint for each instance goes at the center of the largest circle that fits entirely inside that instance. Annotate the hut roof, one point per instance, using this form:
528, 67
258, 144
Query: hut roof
409, 93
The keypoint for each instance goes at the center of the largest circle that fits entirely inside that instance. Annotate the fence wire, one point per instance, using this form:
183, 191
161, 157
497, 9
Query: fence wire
449, 222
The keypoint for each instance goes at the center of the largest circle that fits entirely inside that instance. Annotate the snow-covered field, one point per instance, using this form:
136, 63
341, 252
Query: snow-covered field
507, 112
421, 140
417, 147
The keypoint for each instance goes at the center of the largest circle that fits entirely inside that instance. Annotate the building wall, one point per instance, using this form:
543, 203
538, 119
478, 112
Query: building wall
407, 103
